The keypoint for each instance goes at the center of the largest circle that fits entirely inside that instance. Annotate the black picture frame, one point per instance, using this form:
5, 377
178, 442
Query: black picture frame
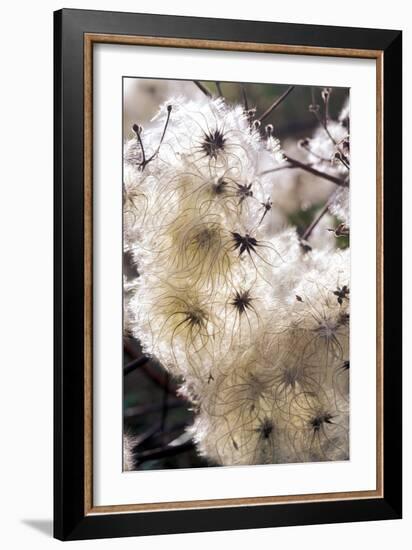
71, 522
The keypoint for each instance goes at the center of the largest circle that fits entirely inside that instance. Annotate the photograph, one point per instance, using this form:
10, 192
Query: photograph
236, 273
227, 274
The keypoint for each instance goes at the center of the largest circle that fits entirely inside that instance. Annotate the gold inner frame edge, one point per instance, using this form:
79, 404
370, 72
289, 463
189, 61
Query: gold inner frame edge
89, 40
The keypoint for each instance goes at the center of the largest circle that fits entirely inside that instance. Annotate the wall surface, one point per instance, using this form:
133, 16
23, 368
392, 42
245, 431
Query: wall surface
26, 142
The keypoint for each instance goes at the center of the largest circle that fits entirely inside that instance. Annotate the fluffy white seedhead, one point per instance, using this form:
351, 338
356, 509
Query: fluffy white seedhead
253, 324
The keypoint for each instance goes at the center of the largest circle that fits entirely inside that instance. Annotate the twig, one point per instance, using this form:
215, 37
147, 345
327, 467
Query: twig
132, 347
308, 168
202, 88
278, 169
276, 104
219, 89
315, 222
135, 364
245, 101
137, 130
134, 350
311, 170
343, 159
322, 120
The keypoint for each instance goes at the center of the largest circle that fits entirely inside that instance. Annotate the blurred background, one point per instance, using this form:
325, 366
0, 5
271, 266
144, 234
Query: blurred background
155, 416
142, 98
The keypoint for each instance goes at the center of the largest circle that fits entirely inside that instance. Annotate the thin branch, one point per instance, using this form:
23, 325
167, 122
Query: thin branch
276, 103
322, 120
317, 219
133, 349
343, 159
311, 170
219, 89
278, 169
244, 96
202, 88
135, 364
308, 168
326, 113
137, 130
169, 110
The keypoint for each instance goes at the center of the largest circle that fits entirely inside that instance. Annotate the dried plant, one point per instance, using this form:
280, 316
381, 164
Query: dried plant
251, 322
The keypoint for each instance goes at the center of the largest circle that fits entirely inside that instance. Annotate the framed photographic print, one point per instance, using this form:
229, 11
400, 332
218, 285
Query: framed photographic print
227, 274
